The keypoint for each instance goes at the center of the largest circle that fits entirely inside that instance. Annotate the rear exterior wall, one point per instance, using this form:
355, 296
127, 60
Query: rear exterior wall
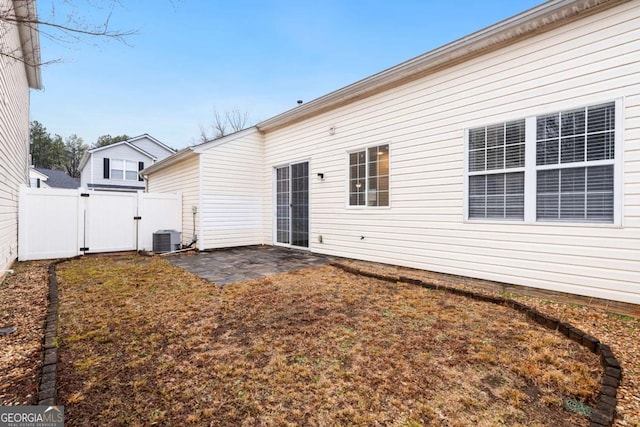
14, 140
589, 61
232, 192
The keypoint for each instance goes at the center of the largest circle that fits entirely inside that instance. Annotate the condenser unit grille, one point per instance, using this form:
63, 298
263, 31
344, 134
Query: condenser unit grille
166, 241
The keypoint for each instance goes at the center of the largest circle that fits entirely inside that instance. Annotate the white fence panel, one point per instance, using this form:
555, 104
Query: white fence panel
110, 225
157, 211
48, 223
56, 223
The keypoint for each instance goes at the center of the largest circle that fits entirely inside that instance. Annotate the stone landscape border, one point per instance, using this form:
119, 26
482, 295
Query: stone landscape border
605, 411
48, 385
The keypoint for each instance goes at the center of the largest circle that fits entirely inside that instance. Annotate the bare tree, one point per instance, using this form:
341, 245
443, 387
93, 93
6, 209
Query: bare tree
224, 124
65, 28
220, 124
237, 119
204, 136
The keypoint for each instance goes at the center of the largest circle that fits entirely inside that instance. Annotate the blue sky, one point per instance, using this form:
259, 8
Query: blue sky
189, 57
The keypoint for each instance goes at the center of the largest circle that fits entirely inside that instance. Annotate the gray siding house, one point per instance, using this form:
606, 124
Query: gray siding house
115, 167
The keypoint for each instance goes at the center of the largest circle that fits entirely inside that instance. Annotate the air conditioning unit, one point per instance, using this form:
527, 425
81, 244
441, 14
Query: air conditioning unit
166, 241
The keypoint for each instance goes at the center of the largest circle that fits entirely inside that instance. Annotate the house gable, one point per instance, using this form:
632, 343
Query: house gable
152, 146
221, 183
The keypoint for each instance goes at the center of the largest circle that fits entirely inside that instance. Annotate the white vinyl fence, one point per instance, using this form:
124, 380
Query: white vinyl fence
56, 223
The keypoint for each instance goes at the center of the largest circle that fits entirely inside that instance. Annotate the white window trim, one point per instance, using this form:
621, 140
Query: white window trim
530, 176
348, 175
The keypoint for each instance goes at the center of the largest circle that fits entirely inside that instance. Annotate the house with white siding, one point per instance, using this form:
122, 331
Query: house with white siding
19, 72
115, 167
511, 155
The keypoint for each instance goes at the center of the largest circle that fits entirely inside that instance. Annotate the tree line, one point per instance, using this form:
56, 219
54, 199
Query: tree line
53, 152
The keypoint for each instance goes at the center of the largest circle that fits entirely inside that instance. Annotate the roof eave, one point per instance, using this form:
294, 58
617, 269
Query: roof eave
224, 139
117, 144
533, 21
181, 155
29, 40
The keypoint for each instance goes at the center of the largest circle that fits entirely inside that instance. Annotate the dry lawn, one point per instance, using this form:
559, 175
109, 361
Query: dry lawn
621, 332
144, 342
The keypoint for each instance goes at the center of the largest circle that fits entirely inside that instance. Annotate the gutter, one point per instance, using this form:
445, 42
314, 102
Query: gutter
29, 40
534, 21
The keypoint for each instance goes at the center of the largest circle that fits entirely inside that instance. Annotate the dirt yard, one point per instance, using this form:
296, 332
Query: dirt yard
143, 342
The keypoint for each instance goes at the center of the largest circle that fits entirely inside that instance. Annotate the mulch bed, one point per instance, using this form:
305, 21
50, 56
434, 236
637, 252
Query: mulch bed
23, 305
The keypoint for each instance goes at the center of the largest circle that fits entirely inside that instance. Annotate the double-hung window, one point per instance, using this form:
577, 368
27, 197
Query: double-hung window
496, 171
557, 167
124, 169
369, 176
575, 153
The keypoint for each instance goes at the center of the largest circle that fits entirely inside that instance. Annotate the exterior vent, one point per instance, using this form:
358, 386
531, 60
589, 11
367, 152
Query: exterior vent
166, 241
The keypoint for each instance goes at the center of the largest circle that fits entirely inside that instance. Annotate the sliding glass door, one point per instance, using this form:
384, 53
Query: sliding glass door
292, 205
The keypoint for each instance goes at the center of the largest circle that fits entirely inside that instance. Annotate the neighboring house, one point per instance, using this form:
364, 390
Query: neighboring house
51, 178
512, 154
16, 77
115, 167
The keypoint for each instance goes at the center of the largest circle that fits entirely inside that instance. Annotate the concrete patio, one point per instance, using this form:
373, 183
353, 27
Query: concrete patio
226, 266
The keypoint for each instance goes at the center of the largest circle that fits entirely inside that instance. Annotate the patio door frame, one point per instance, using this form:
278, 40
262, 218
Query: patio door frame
290, 178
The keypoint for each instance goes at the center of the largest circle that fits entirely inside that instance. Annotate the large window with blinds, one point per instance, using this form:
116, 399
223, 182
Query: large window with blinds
558, 167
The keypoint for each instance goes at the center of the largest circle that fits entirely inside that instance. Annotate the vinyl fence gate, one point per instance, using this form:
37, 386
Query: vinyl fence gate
56, 223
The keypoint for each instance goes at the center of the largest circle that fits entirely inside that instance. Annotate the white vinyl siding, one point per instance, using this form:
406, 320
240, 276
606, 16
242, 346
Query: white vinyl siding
14, 140
586, 62
232, 188
183, 178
